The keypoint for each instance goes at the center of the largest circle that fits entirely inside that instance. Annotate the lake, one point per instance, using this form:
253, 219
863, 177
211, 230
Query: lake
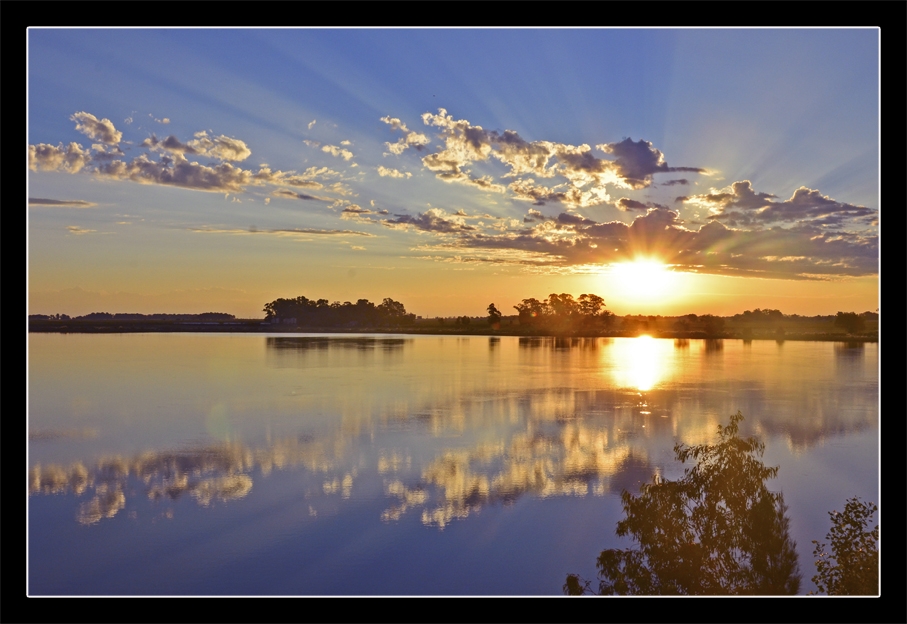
295, 464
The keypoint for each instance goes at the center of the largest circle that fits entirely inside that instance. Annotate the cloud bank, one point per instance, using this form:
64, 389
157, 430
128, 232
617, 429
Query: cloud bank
167, 161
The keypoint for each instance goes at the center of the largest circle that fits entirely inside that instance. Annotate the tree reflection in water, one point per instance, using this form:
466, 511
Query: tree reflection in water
716, 531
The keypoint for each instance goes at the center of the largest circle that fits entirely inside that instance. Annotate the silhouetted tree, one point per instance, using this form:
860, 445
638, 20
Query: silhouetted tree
711, 325
852, 568
320, 313
531, 311
716, 531
563, 314
851, 322
494, 315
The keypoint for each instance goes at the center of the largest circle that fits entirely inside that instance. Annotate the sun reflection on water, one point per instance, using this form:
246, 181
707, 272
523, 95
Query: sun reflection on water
640, 363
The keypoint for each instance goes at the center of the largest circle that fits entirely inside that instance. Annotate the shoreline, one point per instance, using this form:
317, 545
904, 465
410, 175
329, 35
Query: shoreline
259, 326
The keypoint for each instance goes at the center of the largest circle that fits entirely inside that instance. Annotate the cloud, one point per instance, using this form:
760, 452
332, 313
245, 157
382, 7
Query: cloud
307, 179
410, 139
333, 150
569, 241
312, 123
177, 171
60, 203
355, 212
75, 229
486, 183
534, 215
587, 175
625, 204
637, 161
539, 195
97, 130
683, 181
392, 173
220, 147
740, 205
294, 195
432, 220
71, 159
103, 153
285, 232
169, 165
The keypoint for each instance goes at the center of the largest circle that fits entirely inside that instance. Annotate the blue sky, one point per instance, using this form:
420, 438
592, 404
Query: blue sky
219, 169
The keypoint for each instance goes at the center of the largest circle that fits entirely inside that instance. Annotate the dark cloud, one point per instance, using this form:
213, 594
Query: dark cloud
625, 204
533, 215
177, 171
570, 240
637, 161
433, 220
294, 195
740, 206
683, 181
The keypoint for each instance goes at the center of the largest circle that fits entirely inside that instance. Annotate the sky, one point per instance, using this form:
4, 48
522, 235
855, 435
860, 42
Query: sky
669, 171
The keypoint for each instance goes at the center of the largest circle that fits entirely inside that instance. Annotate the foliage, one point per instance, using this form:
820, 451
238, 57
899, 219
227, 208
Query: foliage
320, 313
851, 322
716, 531
494, 315
760, 316
563, 314
852, 568
711, 324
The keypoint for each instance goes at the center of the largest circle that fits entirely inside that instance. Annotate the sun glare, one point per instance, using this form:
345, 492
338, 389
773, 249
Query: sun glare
642, 279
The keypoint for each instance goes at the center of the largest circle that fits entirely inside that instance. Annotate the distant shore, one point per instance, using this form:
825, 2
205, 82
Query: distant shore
263, 327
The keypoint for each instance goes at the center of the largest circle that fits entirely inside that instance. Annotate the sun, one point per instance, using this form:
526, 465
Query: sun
642, 280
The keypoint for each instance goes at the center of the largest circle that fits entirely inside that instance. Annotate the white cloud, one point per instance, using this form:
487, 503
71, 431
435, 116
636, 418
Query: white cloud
385, 172
220, 147
333, 150
70, 159
410, 139
98, 130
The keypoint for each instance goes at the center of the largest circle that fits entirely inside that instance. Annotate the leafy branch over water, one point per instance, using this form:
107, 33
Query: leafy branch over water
852, 568
716, 531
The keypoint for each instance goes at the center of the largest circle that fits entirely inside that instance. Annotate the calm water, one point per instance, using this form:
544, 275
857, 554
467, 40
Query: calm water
322, 465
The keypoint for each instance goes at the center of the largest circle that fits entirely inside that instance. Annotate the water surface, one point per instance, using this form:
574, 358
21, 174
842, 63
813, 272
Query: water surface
246, 464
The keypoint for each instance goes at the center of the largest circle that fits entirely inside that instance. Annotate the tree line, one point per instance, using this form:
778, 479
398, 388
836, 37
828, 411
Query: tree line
561, 313
305, 312
124, 316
